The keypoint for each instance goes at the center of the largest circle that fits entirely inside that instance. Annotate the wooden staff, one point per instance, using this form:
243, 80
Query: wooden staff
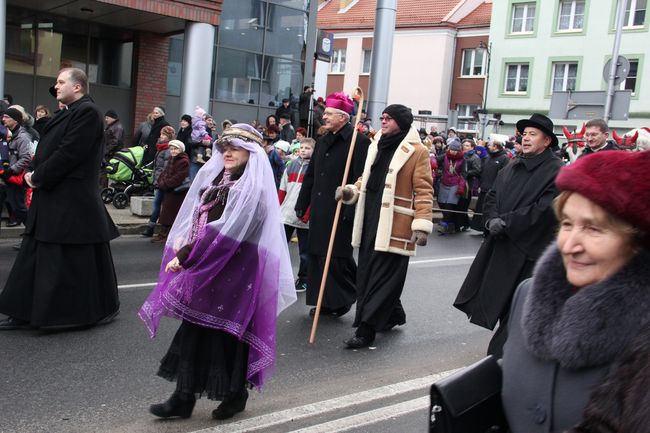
357, 92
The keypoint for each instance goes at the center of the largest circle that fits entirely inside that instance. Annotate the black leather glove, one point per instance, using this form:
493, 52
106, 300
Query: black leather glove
300, 213
496, 226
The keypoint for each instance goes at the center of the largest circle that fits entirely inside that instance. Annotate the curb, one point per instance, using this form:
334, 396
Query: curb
123, 229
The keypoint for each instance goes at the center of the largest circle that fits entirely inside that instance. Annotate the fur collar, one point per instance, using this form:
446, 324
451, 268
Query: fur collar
589, 327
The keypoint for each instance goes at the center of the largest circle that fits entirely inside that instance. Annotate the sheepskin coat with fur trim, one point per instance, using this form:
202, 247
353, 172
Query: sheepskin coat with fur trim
562, 342
407, 199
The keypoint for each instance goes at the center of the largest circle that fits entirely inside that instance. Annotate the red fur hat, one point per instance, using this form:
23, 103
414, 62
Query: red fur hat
615, 180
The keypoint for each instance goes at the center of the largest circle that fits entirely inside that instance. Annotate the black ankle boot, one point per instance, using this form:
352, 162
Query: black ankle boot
148, 232
231, 405
174, 406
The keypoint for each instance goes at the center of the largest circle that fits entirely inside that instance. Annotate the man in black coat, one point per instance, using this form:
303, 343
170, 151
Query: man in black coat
63, 274
520, 221
316, 202
305, 107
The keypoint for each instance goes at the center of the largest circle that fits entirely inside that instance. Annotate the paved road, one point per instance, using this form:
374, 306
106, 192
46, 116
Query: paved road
103, 379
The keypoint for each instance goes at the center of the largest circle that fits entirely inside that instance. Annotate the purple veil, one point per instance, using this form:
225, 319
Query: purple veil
238, 276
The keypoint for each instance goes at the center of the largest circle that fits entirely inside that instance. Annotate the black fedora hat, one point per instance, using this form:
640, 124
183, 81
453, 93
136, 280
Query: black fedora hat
540, 122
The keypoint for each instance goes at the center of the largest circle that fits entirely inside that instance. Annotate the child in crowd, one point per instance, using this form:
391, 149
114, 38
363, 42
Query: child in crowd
288, 193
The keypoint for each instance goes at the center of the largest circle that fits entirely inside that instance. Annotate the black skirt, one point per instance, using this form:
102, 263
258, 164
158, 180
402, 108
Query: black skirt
61, 284
341, 288
204, 361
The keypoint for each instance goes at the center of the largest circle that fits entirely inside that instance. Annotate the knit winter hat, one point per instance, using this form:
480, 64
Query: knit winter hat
454, 144
178, 144
615, 180
111, 113
15, 114
187, 118
282, 145
168, 132
402, 115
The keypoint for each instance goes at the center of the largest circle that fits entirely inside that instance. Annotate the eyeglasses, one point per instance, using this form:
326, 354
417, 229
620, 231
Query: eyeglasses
330, 113
386, 118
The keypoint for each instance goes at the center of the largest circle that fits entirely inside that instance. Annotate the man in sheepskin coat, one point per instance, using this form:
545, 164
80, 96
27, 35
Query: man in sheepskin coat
518, 216
394, 200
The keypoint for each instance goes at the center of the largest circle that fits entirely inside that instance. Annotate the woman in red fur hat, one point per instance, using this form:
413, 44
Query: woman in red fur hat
578, 351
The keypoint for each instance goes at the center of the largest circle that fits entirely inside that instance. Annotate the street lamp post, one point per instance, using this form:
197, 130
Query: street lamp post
485, 49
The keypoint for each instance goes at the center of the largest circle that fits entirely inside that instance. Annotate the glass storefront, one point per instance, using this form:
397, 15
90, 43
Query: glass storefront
260, 54
39, 44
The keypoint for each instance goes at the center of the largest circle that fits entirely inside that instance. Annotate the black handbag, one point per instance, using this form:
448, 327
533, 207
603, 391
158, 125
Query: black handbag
469, 401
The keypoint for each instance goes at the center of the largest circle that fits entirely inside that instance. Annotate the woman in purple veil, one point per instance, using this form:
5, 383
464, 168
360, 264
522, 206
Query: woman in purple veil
226, 274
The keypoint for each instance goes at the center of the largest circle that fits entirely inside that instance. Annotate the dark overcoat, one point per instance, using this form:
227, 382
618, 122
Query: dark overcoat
172, 176
66, 205
522, 196
152, 139
324, 174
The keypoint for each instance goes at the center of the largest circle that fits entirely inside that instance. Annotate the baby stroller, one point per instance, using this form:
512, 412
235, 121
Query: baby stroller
127, 177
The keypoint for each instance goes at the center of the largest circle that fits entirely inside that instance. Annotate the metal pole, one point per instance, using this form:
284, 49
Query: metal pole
382, 52
620, 21
488, 51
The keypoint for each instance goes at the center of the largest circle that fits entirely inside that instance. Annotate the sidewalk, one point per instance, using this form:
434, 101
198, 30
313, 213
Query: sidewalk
126, 223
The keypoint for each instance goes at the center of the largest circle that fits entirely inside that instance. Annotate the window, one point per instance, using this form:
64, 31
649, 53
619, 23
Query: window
175, 64
282, 78
239, 76
516, 78
288, 35
564, 76
635, 13
365, 61
630, 82
337, 63
473, 63
466, 110
243, 23
523, 18
572, 15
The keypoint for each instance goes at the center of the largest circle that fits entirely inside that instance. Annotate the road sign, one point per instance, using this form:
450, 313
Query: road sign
589, 105
622, 70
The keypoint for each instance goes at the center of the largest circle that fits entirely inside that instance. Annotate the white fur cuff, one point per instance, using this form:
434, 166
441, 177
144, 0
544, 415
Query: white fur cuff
422, 225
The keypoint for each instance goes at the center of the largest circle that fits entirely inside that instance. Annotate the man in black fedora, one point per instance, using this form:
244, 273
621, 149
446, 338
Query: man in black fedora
520, 221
